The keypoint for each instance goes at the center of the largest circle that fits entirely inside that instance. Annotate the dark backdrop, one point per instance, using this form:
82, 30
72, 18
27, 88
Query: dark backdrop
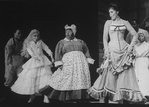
50, 17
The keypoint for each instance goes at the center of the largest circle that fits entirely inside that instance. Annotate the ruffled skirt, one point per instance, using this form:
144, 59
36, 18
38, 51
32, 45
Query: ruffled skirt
118, 80
35, 75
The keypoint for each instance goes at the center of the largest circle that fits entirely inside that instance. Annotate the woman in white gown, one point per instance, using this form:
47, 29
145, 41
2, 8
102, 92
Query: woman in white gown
141, 51
37, 70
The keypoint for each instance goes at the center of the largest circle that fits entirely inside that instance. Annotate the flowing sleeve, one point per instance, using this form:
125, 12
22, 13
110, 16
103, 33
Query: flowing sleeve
132, 32
58, 54
8, 51
46, 48
87, 53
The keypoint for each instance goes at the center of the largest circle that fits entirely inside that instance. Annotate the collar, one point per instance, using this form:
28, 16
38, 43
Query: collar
75, 39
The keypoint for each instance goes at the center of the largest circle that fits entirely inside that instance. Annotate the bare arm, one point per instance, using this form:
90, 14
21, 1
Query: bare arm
132, 32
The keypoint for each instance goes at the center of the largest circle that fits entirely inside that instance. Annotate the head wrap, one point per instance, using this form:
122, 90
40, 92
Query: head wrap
145, 33
72, 27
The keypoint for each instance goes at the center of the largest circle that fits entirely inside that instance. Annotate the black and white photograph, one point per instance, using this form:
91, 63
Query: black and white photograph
77, 52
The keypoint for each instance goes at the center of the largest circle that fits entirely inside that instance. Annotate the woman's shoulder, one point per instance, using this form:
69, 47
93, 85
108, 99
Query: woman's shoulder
108, 21
124, 21
60, 42
79, 40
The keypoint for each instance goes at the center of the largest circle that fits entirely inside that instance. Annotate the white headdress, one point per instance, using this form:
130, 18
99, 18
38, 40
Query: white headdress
27, 40
72, 27
146, 35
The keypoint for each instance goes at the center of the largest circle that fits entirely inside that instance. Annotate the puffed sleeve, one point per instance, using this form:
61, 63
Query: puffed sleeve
8, 51
29, 50
132, 32
86, 53
58, 54
46, 48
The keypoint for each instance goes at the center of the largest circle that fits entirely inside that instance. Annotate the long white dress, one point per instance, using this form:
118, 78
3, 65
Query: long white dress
35, 74
142, 67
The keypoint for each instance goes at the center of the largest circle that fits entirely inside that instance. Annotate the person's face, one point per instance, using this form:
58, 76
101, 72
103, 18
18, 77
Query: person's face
113, 13
17, 34
35, 37
69, 33
141, 37
134, 25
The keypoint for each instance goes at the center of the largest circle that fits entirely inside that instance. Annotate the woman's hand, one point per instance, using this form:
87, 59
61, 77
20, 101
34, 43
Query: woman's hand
107, 55
129, 50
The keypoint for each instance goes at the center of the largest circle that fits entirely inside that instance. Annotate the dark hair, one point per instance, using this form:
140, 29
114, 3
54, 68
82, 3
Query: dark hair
132, 21
113, 6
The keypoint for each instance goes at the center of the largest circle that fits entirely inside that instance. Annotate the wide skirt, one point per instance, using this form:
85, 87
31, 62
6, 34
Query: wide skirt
118, 80
35, 75
71, 81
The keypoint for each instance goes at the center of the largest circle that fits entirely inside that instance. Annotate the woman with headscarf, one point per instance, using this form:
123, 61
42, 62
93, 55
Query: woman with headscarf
72, 78
37, 70
138, 30
141, 63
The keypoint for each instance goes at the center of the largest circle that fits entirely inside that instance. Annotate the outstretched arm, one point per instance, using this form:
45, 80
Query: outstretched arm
46, 48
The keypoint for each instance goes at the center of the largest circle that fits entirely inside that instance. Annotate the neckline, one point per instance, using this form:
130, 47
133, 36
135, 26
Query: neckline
117, 23
75, 39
